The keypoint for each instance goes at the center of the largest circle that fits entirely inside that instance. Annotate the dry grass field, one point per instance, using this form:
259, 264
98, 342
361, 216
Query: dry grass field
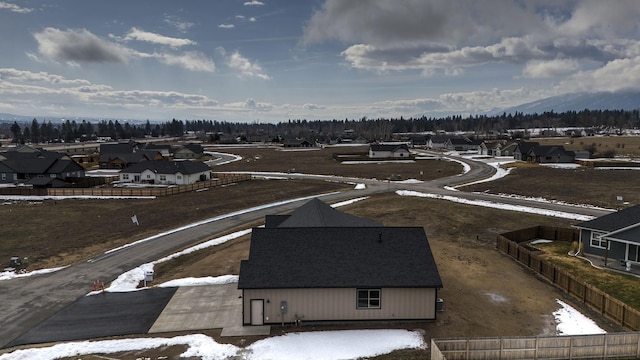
621, 145
485, 293
576, 186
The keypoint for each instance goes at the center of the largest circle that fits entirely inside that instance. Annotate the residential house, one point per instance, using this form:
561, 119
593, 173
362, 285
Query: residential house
296, 143
165, 150
613, 236
164, 172
37, 167
319, 264
491, 148
508, 149
389, 151
463, 144
545, 154
439, 142
522, 148
189, 151
122, 155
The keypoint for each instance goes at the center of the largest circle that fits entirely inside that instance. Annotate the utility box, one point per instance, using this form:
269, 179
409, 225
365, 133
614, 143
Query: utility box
148, 276
15, 262
439, 304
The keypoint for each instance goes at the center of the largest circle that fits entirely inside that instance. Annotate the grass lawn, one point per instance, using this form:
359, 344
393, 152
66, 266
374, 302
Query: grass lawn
622, 287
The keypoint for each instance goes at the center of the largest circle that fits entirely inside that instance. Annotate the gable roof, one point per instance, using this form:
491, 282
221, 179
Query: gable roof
339, 257
316, 213
389, 147
525, 146
616, 221
318, 247
168, 167
548, 150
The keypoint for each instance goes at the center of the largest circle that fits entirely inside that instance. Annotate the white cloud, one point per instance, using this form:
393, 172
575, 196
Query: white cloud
79, 46
14, 8
226, 26
253, 3
181, 26
245, 68
549, 69
7, 74
190, 60
140, 35
616, 76
252, 19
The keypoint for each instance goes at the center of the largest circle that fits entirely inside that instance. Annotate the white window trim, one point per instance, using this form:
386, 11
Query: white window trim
597, 242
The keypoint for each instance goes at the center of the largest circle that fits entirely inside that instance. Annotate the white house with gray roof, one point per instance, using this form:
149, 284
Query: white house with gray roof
166, 172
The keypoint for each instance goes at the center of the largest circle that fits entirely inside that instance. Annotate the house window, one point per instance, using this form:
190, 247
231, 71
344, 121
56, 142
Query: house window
163, 177
148, 176
368, 298
597, 241
179, 177
125, 176
4, 177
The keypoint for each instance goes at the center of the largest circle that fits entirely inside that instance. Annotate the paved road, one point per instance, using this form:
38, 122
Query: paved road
26, 302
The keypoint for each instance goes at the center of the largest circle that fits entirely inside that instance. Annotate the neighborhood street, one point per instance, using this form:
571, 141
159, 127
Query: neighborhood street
29, 301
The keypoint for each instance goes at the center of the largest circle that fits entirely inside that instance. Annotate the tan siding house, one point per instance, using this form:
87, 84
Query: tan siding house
319, 264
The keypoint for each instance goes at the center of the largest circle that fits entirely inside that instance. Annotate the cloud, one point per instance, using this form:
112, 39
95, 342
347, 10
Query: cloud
191, 60
245, 68
14, 8
226, 26
253, 3
539, 69
181, 26
140, 35
616, 76
79, 46
549, 39
7, 74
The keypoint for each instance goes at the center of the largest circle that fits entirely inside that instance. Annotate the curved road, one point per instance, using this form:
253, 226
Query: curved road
28, 301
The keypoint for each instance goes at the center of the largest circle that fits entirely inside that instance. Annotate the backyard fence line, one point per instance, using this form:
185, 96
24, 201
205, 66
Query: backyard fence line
221, 180
597, 300
600, 346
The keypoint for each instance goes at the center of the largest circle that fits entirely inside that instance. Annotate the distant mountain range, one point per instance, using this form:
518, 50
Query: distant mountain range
577, 102
559, 104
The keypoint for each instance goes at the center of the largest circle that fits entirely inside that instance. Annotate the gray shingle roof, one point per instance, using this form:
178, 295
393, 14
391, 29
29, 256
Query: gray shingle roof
388, 147
363, 255
338, 258
315, 213
167, 167
614, 221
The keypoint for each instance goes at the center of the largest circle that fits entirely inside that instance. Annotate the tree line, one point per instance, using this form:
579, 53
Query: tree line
371, 129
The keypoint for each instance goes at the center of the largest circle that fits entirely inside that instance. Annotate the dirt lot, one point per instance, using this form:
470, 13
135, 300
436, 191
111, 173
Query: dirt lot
485, 293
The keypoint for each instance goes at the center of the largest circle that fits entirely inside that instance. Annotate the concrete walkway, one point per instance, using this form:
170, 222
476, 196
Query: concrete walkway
206, 307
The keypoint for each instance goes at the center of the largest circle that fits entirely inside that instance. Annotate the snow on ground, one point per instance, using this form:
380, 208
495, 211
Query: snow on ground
320, 345
562, 165
360, 186
543, 200
491, 204
315, 345
571, 322
219, 154
500, 173
202, 281
6, 275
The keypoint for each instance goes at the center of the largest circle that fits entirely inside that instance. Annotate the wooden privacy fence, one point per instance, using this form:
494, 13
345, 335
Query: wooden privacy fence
223, 179
614, 309
604, 346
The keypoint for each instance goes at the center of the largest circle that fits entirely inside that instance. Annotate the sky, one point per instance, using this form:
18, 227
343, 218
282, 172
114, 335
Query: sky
275, 60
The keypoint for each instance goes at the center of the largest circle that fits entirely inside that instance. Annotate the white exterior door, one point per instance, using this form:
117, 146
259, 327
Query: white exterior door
257, 312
